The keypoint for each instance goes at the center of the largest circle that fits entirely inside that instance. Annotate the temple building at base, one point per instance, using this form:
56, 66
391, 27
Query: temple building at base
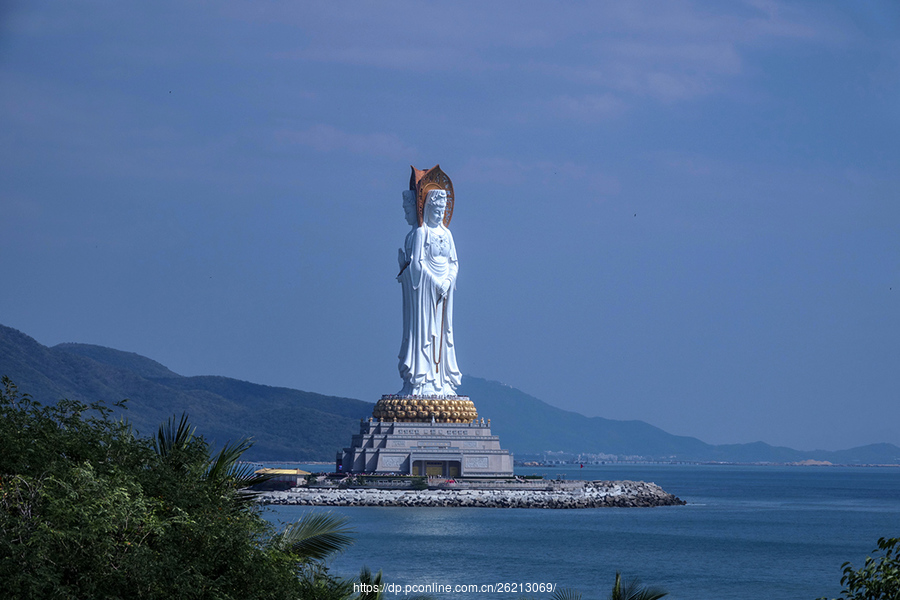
435, 449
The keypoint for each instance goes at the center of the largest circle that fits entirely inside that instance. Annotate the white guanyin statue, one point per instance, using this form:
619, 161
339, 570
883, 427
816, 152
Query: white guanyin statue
428, 268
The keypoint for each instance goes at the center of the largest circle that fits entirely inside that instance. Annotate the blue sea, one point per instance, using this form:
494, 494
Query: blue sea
747, 532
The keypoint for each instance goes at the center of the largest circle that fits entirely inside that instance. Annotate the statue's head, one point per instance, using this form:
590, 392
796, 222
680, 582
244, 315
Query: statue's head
426, 182
435, 206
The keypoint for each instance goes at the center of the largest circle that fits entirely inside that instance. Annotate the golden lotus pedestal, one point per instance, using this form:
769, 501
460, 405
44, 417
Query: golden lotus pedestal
421, 435
417, 409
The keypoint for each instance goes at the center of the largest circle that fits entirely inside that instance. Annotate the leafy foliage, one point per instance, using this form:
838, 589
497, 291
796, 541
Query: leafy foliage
90, 510
878, 579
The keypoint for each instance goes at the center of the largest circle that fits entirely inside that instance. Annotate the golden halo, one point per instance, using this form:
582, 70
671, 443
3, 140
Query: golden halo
422, 182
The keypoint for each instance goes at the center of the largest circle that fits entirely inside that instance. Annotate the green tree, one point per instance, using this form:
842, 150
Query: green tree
88, 509
73, 518
878, 578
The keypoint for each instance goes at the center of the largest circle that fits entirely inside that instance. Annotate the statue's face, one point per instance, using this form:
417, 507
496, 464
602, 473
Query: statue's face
436, 207
409, 207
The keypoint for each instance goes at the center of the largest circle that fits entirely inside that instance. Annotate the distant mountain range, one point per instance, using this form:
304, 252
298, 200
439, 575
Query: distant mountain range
528, 425
285, 424
292, 425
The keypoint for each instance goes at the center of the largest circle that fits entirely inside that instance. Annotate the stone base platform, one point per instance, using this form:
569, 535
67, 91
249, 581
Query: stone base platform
425, 448
588, 494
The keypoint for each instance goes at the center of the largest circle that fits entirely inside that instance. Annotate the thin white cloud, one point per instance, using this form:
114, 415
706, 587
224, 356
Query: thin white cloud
617, 52
493, 169
588, 108
677, 54
399, 35
325, 138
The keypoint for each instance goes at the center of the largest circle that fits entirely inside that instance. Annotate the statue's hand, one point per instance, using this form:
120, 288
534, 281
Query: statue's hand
445, 287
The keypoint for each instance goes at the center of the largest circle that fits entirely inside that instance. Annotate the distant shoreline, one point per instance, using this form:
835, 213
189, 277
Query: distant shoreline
806, 463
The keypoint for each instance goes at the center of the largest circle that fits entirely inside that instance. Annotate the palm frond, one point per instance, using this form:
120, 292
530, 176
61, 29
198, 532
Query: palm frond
652, 593
225, 468
365, 576
566, 593
373, 593
616, 593
244, 479
634, 590
225, 463
172, 438
315, 536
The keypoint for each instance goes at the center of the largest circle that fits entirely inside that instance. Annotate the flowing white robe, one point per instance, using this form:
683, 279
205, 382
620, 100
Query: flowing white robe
428, 366
405, 280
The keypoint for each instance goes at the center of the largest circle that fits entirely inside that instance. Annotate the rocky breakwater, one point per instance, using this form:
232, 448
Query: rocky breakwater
587, 494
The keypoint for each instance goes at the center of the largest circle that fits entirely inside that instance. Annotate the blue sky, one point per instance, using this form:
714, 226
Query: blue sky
684, 212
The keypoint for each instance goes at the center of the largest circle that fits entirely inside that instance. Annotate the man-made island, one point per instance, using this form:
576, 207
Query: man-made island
426, 445
528, 494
